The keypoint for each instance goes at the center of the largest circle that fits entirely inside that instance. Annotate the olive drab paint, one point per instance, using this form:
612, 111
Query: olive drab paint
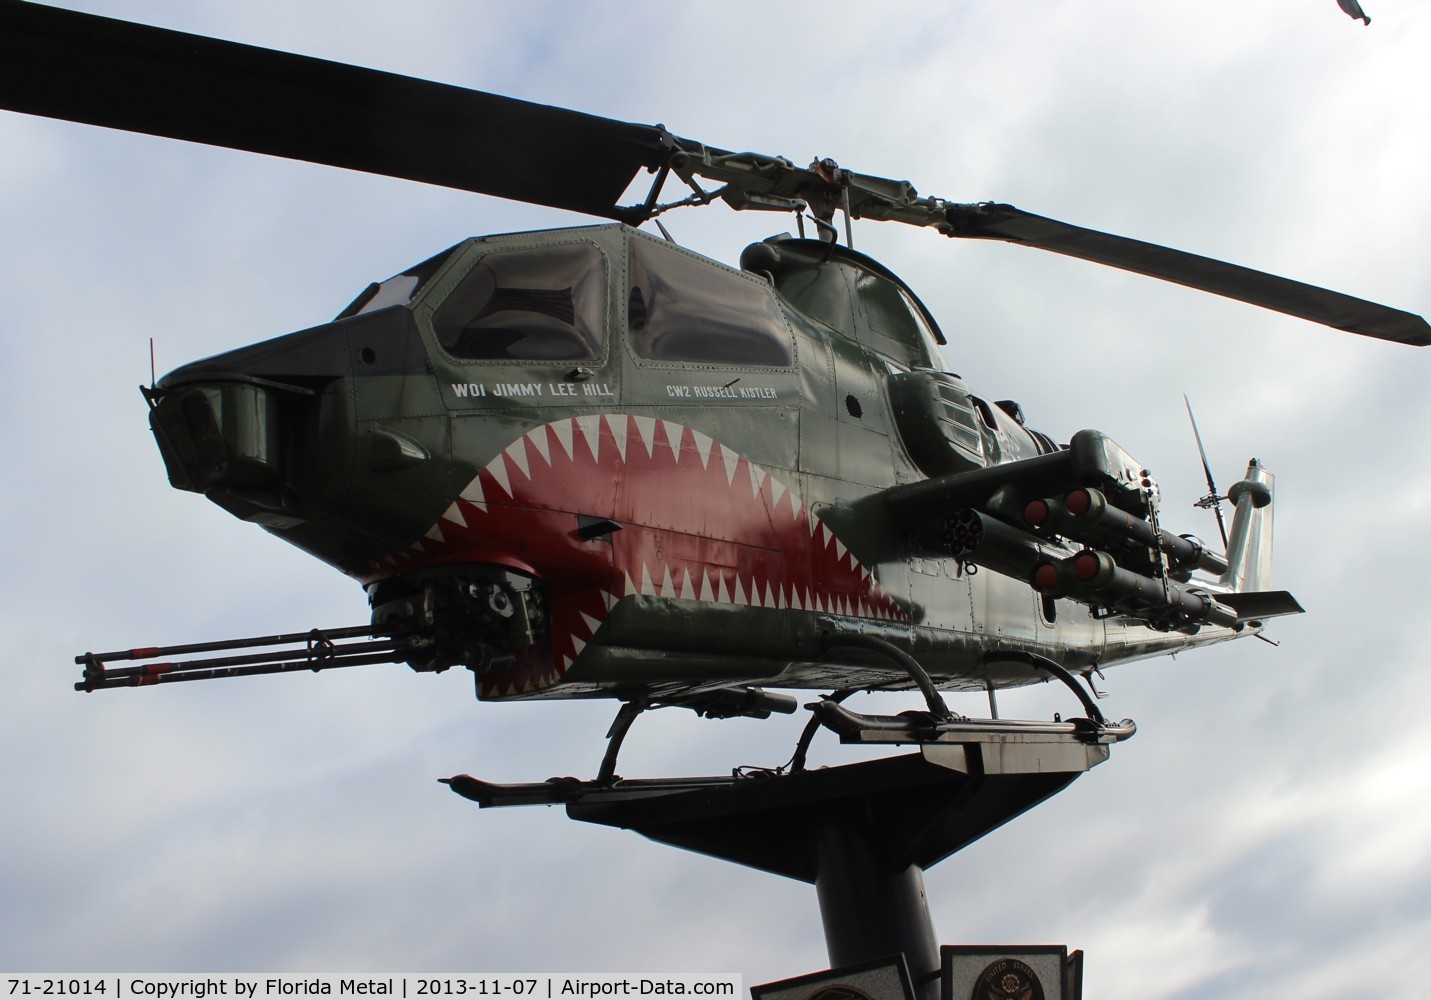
748, 438
590, 462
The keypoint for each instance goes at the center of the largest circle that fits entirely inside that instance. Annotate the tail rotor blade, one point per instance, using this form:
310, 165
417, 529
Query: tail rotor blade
1213, 499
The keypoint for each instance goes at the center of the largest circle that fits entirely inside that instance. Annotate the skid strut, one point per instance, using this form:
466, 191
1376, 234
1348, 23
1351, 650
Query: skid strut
315, 650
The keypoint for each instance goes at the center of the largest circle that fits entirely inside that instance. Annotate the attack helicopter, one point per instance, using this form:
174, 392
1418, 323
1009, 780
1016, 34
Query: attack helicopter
590, 463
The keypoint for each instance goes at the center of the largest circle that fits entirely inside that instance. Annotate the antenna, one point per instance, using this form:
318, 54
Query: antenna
153, 378
1212, 499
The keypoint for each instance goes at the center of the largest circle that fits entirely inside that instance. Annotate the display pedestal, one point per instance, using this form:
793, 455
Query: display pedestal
862, 834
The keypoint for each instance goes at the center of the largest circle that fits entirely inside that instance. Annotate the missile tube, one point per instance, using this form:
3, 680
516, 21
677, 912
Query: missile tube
975, 537
1093, 577
1090, 577
1085, 515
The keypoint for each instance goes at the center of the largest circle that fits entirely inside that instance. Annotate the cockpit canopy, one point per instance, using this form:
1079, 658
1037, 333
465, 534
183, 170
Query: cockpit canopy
539, 299
530, 297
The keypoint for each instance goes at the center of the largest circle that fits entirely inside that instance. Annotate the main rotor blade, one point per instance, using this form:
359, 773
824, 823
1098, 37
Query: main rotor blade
82, 68
1342, 312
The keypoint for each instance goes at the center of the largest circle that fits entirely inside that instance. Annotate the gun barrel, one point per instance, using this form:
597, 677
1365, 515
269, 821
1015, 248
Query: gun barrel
318, 651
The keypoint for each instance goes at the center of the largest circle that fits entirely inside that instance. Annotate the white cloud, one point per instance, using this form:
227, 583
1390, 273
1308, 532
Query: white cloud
1262, 834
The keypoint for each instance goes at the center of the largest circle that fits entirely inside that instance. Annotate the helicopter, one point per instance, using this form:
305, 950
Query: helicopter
590, 463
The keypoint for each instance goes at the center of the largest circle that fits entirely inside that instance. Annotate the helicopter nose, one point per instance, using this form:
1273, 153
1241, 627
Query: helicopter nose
225, 440
236, 426
299, 434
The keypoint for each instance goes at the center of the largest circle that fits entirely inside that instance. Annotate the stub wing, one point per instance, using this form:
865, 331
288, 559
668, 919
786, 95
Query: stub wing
1082, 523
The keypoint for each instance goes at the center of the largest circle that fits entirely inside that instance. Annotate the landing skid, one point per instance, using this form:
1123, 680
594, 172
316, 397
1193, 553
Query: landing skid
862, 833
936, 725
917, 728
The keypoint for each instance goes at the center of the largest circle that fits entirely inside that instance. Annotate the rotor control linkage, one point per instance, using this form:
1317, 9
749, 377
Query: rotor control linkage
319, 650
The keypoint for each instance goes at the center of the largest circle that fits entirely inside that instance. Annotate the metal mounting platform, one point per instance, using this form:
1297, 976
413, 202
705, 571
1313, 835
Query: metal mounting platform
861, 833
930, 803
1058, 744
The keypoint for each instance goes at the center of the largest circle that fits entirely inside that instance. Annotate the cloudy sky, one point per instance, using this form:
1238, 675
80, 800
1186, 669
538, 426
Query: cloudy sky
1267, 831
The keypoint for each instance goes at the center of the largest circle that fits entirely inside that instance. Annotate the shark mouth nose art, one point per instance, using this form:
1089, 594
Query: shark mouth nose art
689, 520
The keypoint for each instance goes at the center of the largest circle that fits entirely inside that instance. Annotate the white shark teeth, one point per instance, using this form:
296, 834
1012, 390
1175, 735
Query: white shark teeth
646, 434
703, 447
616, 424
516, 452
732, 462
757, 478
590, 427
538, 440
673, 439
777, 490
565, 431
473, 495
454, 514
497, 469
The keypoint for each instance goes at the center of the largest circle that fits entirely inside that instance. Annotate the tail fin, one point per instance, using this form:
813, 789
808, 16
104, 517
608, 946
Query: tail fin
1249, 543
1249, 552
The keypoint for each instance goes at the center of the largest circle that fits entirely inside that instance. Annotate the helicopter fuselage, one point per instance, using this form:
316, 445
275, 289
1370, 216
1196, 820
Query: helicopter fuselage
588, 463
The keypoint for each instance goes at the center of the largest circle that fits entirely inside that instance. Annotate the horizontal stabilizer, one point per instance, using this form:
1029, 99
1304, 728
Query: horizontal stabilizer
1256, 604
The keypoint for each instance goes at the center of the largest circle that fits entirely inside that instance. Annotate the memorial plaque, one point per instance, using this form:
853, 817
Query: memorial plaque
1011, 972
883, 979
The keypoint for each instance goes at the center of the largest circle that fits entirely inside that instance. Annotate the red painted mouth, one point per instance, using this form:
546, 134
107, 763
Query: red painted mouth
698, 522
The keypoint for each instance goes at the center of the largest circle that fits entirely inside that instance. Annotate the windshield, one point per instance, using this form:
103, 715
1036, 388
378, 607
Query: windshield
534, 304
683, 309
399, 290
